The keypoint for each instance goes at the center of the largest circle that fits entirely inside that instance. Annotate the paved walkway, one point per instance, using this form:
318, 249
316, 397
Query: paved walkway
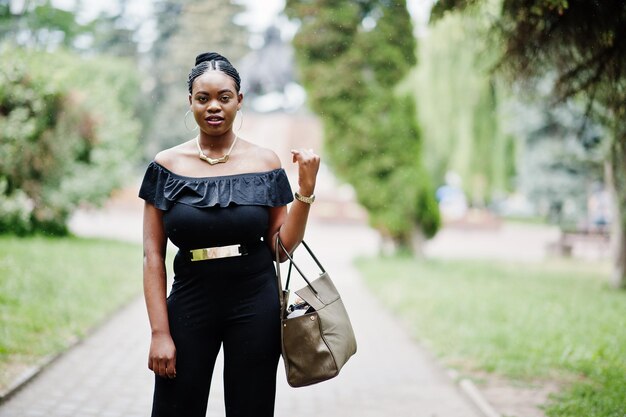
106, 375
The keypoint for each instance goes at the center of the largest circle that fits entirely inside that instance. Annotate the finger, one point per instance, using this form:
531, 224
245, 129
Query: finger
302, 154
171, 368
162, 368
306, 153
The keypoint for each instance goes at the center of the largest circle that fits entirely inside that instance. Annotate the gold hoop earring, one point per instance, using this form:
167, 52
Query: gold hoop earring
240, 120
185, 121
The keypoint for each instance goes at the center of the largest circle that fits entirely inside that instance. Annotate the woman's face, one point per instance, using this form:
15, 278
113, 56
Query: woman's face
214, 102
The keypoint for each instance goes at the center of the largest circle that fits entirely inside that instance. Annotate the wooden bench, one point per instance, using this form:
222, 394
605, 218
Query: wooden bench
599, 240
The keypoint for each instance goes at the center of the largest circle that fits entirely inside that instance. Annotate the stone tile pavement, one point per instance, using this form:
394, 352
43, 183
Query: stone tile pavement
106, 375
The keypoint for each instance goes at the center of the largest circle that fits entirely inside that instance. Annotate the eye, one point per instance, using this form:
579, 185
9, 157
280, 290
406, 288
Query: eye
225, 98
202, 99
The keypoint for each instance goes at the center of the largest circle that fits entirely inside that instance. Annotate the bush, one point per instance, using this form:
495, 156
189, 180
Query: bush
67, 135
15, 211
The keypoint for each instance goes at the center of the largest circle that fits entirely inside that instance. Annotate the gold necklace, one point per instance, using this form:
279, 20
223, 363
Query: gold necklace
215, 161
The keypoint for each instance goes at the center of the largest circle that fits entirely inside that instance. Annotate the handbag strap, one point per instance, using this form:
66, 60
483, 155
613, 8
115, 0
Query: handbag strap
281, 293
288, 275
319, 265
279, 244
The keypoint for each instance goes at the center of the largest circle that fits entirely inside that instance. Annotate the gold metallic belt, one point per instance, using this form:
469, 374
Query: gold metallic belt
216, 252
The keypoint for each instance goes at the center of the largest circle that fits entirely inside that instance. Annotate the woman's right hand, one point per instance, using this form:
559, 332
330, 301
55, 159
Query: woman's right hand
162, 357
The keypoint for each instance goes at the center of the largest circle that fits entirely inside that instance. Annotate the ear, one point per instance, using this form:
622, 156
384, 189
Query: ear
190, 99
239, 100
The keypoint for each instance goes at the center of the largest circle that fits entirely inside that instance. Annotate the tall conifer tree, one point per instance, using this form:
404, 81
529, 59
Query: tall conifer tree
352, 55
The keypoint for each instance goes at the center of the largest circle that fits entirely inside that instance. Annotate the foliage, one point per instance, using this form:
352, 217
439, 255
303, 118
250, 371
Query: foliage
562, 157
351, 57
591, 59
66, 137
47, 302
459, 103
529, 322
111, 35
581, 44
40, 24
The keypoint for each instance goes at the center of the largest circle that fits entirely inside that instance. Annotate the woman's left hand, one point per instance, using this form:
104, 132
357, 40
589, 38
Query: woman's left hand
308, 165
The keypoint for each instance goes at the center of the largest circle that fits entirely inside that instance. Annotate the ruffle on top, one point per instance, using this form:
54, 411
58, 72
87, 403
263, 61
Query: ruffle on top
163, 188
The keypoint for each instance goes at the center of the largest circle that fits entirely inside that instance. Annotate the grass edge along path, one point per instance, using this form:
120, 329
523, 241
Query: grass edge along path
556, 320
54, 290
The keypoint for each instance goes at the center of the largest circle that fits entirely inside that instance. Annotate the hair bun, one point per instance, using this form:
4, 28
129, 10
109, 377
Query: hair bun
210, 56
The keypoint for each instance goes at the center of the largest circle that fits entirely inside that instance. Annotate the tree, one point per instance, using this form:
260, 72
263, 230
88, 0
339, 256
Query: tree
582, 43
352, 56
39, 24
561, 162
459, 101
112, 35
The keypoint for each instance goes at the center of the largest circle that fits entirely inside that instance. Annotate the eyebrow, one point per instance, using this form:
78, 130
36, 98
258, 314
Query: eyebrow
227, 90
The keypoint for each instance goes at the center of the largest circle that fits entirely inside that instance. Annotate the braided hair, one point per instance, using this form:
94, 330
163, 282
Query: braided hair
213, 61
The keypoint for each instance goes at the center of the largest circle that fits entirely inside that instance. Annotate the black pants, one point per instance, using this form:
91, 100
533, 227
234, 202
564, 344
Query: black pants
230, 302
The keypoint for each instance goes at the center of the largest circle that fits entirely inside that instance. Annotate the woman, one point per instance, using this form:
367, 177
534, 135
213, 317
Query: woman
222, 201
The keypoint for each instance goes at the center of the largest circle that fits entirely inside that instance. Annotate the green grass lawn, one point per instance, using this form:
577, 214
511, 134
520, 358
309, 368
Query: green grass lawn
555, 320
54, 290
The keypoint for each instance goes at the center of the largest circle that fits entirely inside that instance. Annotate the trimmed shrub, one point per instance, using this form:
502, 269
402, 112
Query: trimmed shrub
67, 136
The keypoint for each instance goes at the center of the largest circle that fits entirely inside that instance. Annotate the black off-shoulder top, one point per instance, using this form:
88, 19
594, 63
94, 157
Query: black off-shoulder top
164, 188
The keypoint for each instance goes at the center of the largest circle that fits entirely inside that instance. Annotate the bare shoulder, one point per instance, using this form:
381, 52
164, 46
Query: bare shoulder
164, 158
269, 158
168, 158
266, 159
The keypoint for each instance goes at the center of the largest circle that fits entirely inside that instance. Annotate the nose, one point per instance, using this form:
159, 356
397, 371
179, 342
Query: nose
214, 105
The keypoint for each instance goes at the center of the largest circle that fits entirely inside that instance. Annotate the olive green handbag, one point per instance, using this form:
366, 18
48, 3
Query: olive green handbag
317, 336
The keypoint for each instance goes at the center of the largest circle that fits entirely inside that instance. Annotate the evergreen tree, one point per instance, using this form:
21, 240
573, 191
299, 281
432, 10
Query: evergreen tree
352, 56
559, 162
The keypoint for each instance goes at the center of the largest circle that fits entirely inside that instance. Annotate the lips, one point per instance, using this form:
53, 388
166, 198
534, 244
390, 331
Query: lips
214, 120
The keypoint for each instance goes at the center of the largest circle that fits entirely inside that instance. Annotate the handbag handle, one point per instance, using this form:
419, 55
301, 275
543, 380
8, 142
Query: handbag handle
279, 244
